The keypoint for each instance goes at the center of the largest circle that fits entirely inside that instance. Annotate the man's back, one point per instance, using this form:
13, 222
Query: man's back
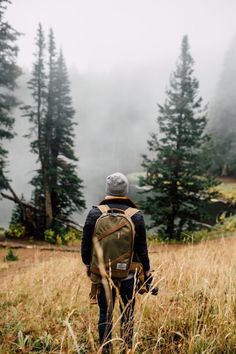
140, 242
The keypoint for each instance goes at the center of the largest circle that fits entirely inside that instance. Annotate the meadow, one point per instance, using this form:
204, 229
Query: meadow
45, 307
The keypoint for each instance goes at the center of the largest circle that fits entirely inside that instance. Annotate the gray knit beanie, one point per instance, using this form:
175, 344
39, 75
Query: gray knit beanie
117, 184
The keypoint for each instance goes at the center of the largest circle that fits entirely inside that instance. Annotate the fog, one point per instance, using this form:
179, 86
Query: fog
223, 108
120, 55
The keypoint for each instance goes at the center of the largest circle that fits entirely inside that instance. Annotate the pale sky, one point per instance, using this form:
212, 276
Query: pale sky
108, 35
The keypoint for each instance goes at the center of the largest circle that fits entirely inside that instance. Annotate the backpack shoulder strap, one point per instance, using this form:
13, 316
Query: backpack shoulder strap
131, 212
103, 208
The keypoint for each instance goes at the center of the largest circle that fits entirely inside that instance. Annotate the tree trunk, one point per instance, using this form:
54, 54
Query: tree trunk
48, 208
225, 170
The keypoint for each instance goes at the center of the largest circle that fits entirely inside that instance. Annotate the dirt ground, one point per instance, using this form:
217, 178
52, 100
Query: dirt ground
28, 258
29, 255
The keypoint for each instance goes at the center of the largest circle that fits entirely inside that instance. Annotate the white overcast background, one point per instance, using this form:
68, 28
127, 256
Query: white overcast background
108, 35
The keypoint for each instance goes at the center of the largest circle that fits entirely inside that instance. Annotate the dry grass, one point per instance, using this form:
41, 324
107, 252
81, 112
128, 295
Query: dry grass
227, 189
44, 303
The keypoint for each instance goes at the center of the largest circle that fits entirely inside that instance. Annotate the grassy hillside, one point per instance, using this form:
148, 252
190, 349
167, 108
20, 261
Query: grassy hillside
45, 308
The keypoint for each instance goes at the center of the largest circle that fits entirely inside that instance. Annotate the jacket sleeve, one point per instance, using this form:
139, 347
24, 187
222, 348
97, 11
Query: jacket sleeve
88, 229
140, 242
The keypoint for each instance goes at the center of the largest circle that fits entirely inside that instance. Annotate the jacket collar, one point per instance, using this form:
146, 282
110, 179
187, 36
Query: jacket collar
112, 198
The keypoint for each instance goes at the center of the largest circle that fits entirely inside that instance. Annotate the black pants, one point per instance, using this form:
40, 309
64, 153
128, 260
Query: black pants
106, 306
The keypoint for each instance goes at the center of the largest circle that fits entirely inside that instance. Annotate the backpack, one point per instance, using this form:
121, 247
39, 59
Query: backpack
113, 241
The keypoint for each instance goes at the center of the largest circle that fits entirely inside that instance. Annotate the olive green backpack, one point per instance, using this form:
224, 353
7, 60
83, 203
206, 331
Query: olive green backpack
113, 241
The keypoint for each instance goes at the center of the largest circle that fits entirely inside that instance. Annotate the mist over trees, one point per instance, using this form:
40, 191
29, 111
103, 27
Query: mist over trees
222, 124
177, 168
116, 114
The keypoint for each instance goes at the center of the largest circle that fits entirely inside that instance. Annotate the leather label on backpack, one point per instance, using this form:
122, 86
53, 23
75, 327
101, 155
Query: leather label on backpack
121, 266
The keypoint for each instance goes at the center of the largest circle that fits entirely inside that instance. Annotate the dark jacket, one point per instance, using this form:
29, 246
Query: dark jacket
140, 241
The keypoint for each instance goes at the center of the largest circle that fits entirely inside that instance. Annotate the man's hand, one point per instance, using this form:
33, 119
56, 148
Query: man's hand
148, 280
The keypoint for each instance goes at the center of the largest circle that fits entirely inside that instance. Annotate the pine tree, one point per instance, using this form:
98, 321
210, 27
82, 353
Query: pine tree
42, 116
9, 72
57, 188
176, 171
66, 185
37, 117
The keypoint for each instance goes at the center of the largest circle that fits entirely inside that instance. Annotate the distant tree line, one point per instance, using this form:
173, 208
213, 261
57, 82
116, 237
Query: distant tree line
184, 155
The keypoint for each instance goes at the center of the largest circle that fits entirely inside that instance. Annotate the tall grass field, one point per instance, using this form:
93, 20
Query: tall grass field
44, 303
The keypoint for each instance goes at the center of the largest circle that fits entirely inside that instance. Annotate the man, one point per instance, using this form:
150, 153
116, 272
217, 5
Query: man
116, 198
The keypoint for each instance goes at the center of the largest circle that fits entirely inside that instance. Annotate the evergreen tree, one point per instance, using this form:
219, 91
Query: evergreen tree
66, 185
57, 188
9, 72
176, 171
37, 117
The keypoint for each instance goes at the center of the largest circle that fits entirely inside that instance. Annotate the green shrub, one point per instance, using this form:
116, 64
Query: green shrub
50, 236
71, 236
59, 240
16, 231
43, 343
10, 257
2, 233
62, 236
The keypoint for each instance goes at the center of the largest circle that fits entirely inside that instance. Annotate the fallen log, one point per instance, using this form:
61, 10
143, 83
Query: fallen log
16, 245
60, 218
